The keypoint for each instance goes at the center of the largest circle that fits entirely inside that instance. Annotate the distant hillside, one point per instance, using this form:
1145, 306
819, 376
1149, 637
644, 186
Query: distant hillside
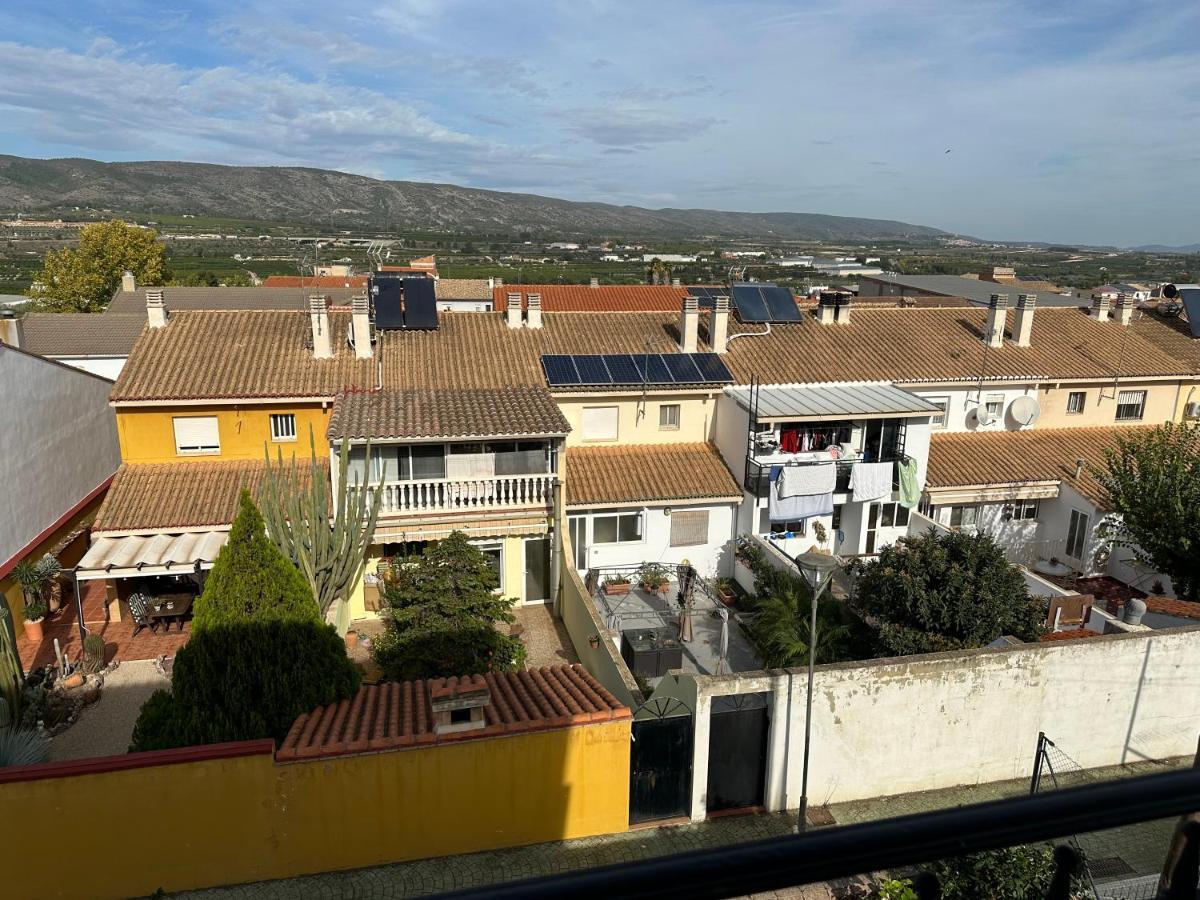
312, 195
1164, 248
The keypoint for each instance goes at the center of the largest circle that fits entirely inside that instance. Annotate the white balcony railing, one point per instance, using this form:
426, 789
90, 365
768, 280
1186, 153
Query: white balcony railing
438, 495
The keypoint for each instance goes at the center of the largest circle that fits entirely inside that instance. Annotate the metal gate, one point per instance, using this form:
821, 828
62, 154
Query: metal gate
660, 770
737, 751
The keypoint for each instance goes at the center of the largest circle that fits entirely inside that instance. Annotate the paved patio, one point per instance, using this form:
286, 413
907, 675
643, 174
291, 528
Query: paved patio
105, 727
545, 637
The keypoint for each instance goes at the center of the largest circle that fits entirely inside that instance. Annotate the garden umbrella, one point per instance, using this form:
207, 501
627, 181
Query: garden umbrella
687, 582
723, 655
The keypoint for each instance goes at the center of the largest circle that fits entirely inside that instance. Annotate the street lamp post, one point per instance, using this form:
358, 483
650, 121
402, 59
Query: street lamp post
817, 569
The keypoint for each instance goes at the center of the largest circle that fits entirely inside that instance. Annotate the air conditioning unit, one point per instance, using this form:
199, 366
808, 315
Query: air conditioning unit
1192, 410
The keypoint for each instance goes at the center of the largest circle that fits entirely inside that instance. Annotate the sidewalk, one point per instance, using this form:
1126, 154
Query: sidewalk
1144, 847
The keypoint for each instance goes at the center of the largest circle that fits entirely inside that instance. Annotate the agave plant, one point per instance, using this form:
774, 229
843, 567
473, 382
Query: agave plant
21, 747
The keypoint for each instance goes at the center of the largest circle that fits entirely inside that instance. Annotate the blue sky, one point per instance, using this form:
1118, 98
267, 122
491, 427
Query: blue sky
1065, 121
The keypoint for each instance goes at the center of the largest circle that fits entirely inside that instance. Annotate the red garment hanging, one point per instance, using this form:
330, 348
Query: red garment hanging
789, 440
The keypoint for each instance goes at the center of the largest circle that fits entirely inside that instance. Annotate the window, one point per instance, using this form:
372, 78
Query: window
1077, 534
995, 405
197, 434
836, 520
668, 416
283, 427
938, 419
963, 516
617, 528
689, 527
1075, 401
600, 423
495, 556
797, 528
428, 461
1131, 405
1022, 510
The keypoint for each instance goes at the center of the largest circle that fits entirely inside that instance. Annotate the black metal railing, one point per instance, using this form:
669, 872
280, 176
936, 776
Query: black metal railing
758, 475
904, 843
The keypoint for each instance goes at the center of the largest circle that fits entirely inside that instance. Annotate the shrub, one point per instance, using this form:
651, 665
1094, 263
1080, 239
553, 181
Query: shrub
780, 630
93, 653
246, 681
252, 580
21, 747
1011, 873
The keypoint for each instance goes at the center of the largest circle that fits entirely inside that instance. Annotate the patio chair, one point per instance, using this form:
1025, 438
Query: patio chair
139, 605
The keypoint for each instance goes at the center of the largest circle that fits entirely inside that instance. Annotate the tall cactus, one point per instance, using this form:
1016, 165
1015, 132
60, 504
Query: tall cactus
328, 542
11, 678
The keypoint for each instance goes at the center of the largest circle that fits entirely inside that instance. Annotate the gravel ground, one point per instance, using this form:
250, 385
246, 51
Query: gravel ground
104, 728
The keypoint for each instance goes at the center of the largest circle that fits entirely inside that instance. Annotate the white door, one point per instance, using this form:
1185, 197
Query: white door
1077, 534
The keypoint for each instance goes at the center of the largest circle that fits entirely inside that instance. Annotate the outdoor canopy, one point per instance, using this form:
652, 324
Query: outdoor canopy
155, 554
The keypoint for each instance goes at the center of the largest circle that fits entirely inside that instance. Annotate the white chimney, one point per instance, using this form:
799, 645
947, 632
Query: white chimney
533, 317
156, 310
997, 319
718, 335
513, 314
10, 328
1023, 319
128, 282
842, 308
1125, 306
1099, 310
497, 282
675, 282
595, 282
318, 316
827, 308
360, 326
689, 326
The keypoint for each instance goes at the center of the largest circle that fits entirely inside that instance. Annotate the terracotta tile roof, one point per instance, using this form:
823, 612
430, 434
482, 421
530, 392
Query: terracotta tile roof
319, 281
80, 334
1170, 606
194, 494
193, 298
1171, 335
604, 298
1017, 457
397, 715
463, 289
647, 472
1072, 634
481, 412
218, 354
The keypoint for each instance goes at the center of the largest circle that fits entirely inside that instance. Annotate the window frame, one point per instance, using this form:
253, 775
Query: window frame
664, 408
1071, 395
278, 418
996, 400
1141, 406
1024, 510
962, 510
616, 425
199, 449
497, 547
619, 515
944, 403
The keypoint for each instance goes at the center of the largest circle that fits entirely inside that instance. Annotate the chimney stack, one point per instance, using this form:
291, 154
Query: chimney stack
1099, 310
533, 318
827, 308
997, 319
718, 334
497, 282
842, 307
360, 326
318, 316
676, 282
156, 309
689, 325
1023, 320
1125, 306
512, 315
595, 282
10, 328
128, 283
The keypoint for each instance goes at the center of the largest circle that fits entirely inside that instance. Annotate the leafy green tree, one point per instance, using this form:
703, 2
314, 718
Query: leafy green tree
934, 592
780, 628
1151, 482
1012, 873
83, 278
246, 680
441, 611
252, 579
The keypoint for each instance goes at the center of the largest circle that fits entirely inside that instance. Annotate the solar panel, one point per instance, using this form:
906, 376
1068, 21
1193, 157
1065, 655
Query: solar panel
712, 368
1191, 303
751, 307
683, 370
592, 370
652, 369
420, 304
781, 305
622, 369
388, 313
560, 370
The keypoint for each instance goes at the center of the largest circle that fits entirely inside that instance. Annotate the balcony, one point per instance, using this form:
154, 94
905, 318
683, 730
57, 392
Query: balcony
758, 468
480, 494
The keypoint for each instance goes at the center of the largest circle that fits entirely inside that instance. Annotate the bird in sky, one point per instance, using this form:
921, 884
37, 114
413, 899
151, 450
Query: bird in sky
947, 151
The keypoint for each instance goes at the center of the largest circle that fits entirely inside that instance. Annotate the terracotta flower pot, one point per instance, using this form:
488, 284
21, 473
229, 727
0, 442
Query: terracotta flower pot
33, 631
612, 589
351, 640
729, 598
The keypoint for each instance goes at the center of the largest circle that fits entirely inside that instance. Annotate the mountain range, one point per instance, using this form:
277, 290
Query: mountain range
321, 196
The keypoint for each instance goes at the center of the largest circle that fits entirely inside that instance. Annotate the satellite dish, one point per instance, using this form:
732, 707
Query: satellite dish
982, 416
1025, 411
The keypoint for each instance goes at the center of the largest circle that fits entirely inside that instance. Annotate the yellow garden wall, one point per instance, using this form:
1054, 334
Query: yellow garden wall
246, 818
148, 436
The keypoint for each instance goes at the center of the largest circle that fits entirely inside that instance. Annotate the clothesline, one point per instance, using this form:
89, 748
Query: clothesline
902, 458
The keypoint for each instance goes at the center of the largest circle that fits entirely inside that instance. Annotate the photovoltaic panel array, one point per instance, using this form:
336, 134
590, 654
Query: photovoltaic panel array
765, 302
420, 304
1191, 303
635, 369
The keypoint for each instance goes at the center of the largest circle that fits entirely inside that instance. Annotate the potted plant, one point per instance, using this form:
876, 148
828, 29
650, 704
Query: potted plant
31, 577
747, 553
35, 611
616, 584
820, 533
654, 578
49, 569
594, 639
725, 592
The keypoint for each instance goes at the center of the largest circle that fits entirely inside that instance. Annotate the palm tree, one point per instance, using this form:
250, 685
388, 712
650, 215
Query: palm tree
781, 628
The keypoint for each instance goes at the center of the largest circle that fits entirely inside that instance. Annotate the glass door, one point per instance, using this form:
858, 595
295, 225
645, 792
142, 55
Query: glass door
537, 570
578, 531
1077, 533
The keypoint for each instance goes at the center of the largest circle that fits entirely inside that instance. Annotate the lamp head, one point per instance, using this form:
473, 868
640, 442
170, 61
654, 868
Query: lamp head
817, 569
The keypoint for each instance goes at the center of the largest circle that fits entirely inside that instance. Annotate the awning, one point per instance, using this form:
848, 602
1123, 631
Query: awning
157, 554
397, 532
833, 401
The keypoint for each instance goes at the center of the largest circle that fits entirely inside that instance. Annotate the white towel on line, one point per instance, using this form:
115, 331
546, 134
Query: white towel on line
870, 481
794, 509
804, 480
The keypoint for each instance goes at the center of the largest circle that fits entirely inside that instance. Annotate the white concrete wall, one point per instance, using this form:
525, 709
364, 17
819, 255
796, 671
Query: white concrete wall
713, 559
886, 727
729, 434
960, 412
58, 443
105, 366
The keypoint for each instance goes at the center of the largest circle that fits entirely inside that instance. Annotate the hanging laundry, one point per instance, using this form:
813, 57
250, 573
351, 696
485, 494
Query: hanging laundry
794, 509
870, 481
817, 478
789, 440
910, 491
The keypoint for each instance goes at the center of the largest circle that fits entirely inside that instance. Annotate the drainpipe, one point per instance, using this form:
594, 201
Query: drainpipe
556, 547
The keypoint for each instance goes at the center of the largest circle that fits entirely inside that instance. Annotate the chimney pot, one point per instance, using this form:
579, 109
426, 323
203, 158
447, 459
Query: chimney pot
1023, 320
499, 282
595, 282
360, 326
512, 315
676, 282
156, 310
841, 307
10, 328
689, 325
128, 282
719, 332
1125, 305
997, 319
533, 317
1100, 308
318, 315
827, 308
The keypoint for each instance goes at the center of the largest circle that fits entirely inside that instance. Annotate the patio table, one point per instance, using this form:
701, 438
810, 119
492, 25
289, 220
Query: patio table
179, 611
